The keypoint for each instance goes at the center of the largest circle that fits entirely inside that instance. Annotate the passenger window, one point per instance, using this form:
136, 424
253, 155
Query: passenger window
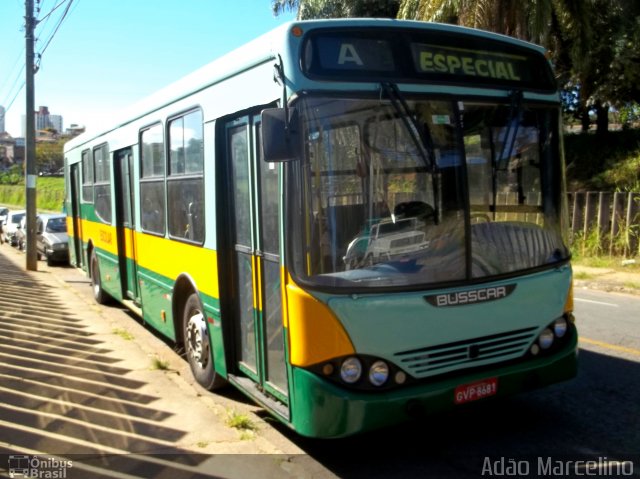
87, 177
102, 188
185, 182
152, 167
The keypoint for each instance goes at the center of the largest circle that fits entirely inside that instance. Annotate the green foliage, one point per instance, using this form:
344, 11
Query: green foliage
124, 334
310, 9
49, 156
605, 163
11, 177
629, 114
239, 421
595, 244
159, 364
49, 193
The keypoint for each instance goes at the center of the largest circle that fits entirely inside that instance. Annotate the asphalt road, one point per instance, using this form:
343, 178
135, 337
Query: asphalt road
594, 417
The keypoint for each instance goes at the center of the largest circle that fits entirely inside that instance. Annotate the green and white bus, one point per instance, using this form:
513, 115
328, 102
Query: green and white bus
352, 221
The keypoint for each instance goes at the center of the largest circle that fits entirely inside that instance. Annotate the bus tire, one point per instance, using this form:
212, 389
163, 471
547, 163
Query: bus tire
99, 294
197, 345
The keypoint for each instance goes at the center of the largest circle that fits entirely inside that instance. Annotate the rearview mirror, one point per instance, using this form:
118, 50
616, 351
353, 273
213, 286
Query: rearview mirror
280, 135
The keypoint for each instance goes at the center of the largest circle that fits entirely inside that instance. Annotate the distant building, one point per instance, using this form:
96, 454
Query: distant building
7, 151
2, 112
74, 130
44, 121
56, 122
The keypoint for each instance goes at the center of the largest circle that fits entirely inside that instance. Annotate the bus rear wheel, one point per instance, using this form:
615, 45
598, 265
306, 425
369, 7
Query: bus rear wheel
197, 345
99, 294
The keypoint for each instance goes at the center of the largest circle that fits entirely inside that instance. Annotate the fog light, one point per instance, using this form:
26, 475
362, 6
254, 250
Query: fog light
400, 377
560, 327
545, 340
378, 373
351, 370
535, 349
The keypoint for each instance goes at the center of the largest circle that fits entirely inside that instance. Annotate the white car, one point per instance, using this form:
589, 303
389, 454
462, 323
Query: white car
387, 240
3, 214
12, 225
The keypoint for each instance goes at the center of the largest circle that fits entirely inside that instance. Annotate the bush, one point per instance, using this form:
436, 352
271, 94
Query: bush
610, 162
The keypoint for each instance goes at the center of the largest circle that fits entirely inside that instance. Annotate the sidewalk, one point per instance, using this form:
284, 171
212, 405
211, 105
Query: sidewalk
77, 378
607, 279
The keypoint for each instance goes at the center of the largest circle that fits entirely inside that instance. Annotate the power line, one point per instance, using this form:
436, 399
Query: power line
14, 97
60, 20
51, 11
7, 77
15, 82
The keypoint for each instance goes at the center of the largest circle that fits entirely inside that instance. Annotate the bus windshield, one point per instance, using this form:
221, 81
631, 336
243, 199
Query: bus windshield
374, 213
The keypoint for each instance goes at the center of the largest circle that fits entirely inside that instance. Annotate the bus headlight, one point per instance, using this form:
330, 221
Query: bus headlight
545, 340
351, 370
378, 373
560, 327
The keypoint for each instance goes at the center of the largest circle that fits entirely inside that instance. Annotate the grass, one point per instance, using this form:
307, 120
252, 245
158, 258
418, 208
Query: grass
49, 194
607, 262
582, 276
124, 334
159, 364
242, 423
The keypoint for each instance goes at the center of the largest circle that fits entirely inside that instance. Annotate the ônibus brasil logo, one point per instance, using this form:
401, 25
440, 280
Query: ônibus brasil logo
38, 467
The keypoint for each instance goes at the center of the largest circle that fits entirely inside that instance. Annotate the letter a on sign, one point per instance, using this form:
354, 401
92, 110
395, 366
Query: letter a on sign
348, 53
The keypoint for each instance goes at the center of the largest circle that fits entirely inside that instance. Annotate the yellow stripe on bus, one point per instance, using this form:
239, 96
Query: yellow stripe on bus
168, 258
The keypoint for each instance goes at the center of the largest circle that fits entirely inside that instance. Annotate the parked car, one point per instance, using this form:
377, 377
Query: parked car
3, 219
52, 239
12, 225
21, 234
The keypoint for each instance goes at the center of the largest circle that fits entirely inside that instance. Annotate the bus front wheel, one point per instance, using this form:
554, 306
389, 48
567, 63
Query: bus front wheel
197, 345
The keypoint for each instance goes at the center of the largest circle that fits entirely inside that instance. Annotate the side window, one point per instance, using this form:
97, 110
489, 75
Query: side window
185, 181
87, 177
152, 165
102, 189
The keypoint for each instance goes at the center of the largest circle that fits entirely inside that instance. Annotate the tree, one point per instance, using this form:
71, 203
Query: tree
310, 9
593, 42
49, 156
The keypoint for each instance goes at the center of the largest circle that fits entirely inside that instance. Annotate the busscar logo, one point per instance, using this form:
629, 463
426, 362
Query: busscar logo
472, 296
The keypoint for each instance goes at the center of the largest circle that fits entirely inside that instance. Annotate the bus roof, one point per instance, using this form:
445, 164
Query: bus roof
266, 48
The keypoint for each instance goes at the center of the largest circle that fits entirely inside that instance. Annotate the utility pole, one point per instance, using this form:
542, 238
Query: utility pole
30, 146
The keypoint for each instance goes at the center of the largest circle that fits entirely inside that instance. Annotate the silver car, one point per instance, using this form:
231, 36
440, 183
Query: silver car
12, 225
52, 241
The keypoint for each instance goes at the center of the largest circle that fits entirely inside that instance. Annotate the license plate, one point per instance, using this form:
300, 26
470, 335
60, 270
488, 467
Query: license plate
477, 390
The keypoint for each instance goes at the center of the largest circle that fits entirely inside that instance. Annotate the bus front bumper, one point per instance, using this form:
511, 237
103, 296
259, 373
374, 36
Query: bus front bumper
323, 409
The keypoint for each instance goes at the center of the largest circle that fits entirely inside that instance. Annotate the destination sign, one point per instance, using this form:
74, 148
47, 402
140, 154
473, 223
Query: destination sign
423, 56
471, 63
355, 54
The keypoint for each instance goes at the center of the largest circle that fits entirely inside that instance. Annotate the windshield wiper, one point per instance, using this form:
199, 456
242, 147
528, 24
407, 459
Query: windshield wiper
511, 131
421, 137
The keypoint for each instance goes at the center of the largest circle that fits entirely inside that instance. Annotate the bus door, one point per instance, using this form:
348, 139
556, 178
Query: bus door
125, 224
76, 244
253, 198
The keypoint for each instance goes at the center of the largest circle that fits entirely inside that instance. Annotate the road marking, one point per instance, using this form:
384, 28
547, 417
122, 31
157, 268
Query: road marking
613, 347
582, 300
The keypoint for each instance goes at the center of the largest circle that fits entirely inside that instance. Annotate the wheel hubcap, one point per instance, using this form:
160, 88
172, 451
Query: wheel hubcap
197, 340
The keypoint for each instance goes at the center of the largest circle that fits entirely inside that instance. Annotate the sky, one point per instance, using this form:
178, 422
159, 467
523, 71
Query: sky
108, 54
